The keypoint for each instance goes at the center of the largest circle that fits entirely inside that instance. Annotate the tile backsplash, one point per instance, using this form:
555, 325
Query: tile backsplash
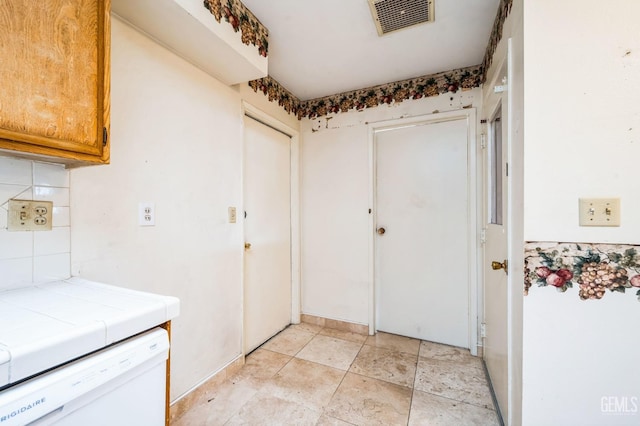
25, 256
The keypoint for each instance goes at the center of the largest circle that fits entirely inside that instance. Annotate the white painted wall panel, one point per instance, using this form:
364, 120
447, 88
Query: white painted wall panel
335, 229
176, 142
335, 202
582, 119
582, 139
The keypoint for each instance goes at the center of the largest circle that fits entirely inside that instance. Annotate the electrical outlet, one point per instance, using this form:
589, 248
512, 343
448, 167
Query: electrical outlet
599, 211
232, 215
147, 214
29, 215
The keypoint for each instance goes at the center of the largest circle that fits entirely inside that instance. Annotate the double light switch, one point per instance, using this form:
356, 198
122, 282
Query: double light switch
599, 211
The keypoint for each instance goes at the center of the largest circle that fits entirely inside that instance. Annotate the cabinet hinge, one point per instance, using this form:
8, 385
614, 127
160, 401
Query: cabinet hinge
105, 136
483, 141
483, 330
483, 236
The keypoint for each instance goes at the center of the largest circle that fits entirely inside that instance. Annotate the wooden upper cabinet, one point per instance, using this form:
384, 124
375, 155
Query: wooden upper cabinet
54, 78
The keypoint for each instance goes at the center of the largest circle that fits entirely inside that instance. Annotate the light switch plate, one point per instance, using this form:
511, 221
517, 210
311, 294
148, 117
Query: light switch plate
29, 215
232, 215
599, 211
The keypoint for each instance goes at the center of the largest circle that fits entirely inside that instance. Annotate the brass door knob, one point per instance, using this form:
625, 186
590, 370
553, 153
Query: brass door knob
499, 265
247, 246
381, 231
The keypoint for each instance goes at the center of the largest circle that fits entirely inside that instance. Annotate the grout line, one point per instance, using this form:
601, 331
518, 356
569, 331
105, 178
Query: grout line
415, 377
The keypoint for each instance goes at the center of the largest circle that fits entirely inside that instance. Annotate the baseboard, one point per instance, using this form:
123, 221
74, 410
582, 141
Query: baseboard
200, 392
335, 324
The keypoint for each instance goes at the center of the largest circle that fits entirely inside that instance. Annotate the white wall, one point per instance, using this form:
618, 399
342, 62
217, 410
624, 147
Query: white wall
225, 32
582, 139
582, 119
176, 138
577, 355
335, 202
27, 257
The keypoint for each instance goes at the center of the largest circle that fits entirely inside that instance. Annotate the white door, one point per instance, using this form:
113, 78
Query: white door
495, 250
422, 235
267, 229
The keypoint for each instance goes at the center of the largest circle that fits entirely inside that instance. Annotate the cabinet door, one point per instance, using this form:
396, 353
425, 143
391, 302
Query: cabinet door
54, 69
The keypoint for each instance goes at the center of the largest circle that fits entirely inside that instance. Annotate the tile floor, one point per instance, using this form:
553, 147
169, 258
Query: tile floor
309, 375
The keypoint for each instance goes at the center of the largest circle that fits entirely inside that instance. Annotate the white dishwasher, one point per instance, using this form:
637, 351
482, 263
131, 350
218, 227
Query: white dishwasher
123, 384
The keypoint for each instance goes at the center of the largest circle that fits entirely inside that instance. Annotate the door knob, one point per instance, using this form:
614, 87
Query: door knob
498, 265
381, 231
247, 246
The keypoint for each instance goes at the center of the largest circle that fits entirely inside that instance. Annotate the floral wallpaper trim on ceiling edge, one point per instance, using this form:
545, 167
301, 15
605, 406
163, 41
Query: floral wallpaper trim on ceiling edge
276, 93
241, 19
396, 92
594, 268
496, 35
390, 93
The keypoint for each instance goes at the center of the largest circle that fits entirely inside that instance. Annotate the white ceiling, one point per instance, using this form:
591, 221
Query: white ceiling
323, 47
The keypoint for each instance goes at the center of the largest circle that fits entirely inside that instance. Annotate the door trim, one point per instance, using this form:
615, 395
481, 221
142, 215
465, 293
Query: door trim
469, 115
515, 226
259, 115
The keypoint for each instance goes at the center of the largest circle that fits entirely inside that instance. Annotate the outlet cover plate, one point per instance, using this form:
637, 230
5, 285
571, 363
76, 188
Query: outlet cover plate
599, 211
30, 215
147, 214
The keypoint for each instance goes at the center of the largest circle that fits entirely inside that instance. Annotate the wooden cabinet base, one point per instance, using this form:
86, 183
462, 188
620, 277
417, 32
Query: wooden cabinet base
167, 326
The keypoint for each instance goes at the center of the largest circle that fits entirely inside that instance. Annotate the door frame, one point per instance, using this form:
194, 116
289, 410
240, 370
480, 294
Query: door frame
468, 114
255, 113
493, 102
515, 221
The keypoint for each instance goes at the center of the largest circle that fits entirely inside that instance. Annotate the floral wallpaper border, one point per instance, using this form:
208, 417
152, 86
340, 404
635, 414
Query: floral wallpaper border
594, 268
396, 92
389, 93
496, 35
241, 19
276, 93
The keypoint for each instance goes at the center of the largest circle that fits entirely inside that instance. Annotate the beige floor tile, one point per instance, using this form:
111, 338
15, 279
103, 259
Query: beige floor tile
344, 335
459, 380
289, 341
194, 416
330, 352
364, 401
262, 364
440, 351
270, 410
229, 398
386, 364
300, 378
331, 421
306, 383
432, 410
393, 341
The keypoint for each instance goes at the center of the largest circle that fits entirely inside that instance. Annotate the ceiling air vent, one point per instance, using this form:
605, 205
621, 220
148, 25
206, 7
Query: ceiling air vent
393, 15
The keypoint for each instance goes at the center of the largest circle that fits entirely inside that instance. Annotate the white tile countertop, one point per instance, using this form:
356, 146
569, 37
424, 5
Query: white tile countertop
45, 325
